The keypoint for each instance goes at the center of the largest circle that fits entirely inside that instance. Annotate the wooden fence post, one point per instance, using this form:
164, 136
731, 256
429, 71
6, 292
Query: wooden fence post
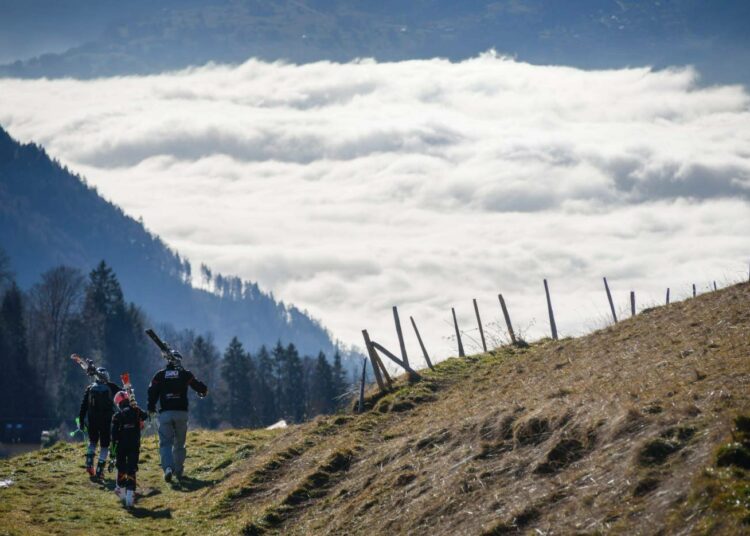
667, 295
421, 344
400, 336
552, 325
362, 387
395, 359
693, 290
458, 335
715, 287
507, 319
632, 303
374, 361
479, 323
609, 298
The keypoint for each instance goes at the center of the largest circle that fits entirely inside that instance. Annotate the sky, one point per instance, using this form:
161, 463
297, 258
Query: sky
347, 189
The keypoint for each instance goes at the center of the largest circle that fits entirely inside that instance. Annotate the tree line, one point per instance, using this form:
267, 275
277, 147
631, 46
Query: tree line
67, 311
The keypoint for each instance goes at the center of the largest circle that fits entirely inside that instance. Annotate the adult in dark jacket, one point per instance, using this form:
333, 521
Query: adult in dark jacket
97, 408
169, 388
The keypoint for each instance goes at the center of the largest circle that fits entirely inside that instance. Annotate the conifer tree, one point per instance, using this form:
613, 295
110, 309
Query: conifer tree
279, 379
322, 394
264, 395
237, 372
204, 361
293, 382
22, 396
113, 329
339, 382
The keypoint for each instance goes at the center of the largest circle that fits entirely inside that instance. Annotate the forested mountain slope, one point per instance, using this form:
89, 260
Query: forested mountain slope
639, 428
49, 217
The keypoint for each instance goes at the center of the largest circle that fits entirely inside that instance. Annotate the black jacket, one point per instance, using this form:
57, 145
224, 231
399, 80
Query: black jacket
169, 387
126, 426
88, 404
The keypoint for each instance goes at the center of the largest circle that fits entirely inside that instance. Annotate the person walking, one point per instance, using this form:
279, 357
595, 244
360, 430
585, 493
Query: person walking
98, 405
127, 424
169, 388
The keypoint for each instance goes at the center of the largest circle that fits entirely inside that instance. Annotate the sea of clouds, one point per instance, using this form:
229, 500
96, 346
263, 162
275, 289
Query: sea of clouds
349, 188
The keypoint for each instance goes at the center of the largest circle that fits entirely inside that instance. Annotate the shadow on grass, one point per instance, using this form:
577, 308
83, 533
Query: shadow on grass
140, 513
188, 484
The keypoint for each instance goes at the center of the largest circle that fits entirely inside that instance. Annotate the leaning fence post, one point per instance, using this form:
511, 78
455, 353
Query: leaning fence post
362, 387
667, 295
507, 319
412, 373
421, 344
609, 298
552, 325
458, 335
632, 303
400, 336
715, 288
479, 323
374, 360
693, 290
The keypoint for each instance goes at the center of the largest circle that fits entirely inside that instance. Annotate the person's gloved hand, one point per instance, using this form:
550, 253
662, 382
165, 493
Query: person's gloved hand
203, 394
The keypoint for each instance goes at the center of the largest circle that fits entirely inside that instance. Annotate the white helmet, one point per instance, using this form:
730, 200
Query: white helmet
102, 376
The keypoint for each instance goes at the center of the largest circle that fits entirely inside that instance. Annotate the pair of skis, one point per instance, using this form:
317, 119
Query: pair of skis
166, 351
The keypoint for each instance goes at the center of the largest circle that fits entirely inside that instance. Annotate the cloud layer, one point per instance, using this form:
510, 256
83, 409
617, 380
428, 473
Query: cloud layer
349, 188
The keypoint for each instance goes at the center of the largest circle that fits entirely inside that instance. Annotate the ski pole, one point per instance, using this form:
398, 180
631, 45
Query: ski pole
79, 428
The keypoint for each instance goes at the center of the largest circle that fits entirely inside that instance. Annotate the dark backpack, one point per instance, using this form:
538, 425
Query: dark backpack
100, 400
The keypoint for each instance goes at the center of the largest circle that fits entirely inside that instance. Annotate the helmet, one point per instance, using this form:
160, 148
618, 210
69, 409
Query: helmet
174, 359
120, 397
102, 375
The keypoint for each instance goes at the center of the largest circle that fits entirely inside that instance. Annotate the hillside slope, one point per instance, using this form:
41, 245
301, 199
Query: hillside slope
49, 216
623, 431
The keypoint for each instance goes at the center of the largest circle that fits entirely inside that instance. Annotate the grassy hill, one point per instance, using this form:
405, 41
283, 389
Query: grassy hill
639, 428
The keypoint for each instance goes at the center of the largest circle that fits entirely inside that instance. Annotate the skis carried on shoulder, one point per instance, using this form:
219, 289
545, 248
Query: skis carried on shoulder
128, 387
167, 352
86, 364
164, 347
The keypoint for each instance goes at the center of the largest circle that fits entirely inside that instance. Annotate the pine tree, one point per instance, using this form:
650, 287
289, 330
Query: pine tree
114, 329
322, 394
22, 395
339, 384
279, 372
264, 392
204, 360
237, 371
293, 382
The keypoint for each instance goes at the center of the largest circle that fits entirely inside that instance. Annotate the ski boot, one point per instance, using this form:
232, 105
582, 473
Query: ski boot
90, 463
100, 468
168, 474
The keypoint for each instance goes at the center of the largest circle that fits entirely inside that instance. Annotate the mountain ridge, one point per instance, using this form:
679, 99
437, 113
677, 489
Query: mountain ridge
50, 216
139, 39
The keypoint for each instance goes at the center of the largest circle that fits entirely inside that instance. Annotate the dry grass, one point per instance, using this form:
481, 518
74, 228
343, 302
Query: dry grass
618, 432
